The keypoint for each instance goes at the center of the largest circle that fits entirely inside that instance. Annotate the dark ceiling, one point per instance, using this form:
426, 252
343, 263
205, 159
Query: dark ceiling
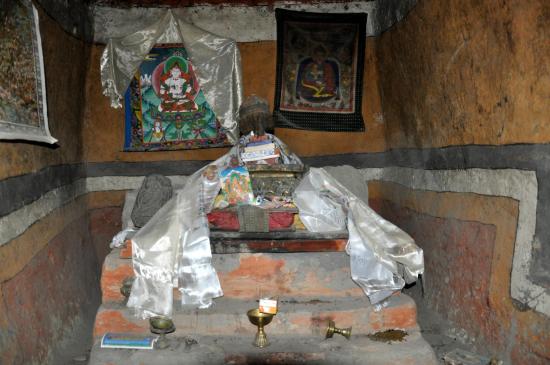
184, 3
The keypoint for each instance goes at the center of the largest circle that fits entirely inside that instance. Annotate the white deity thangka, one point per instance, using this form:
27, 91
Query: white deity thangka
176, 87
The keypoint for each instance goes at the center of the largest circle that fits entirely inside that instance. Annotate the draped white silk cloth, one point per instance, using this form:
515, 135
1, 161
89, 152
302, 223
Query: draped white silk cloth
216, 62
173, 249
382, 256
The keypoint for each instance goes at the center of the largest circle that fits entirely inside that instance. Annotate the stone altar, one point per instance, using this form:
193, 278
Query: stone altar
308, 272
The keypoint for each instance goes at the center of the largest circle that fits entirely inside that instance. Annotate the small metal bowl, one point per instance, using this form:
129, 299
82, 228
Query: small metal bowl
160, 325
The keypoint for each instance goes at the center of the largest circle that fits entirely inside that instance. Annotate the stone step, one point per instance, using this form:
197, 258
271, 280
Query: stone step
256, 275
297, 316
283, 349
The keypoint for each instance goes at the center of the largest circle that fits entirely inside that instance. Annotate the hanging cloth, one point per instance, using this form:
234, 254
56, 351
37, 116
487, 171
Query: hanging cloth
216, 60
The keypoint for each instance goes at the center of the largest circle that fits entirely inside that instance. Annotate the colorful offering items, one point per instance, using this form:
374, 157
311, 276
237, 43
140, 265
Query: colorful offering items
128, 341
236, 186
260, 150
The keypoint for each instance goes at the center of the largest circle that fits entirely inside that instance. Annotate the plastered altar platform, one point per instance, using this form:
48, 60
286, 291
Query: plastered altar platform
312, 280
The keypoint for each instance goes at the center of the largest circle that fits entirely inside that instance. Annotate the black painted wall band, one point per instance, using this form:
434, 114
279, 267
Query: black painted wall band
18, 191
167, 168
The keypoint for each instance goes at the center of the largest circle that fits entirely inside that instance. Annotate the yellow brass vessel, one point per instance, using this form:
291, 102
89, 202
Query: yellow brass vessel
332, 329
260, 320
161, 326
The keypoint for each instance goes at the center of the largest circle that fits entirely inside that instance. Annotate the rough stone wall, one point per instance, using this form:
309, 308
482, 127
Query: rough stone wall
458, 72
468, 242
452, 75
50, 302
49, 273
65, 59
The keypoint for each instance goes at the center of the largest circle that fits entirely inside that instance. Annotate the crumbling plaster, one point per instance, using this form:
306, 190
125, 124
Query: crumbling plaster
35, 315
516, 184
73, 16
468, 241
242, 22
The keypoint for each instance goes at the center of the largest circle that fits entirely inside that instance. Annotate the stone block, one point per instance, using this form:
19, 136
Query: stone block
299, 316
116, 319
291, 275
46, 301
324, 274
115, 270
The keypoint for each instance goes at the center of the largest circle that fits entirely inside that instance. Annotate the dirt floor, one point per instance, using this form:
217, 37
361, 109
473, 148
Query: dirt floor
75, 350
442, 335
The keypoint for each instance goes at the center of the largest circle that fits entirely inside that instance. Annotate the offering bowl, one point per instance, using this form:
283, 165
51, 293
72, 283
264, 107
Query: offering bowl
260, 320
161, 326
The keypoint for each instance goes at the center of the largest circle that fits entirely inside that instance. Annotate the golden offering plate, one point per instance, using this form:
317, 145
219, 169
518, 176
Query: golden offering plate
260, 319
332, 329
161, 326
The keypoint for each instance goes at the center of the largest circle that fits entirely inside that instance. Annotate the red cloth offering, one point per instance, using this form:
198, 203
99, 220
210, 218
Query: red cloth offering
227, 221
280, 220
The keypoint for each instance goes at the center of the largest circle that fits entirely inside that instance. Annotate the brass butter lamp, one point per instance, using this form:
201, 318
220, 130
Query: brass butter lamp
332, 329
161, 326
260, 320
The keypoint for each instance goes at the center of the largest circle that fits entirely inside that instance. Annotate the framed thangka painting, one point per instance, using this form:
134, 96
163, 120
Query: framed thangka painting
320, 59
165, 106
23, 108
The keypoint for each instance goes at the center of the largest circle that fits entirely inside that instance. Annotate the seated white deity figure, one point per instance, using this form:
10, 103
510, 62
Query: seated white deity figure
176, 91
